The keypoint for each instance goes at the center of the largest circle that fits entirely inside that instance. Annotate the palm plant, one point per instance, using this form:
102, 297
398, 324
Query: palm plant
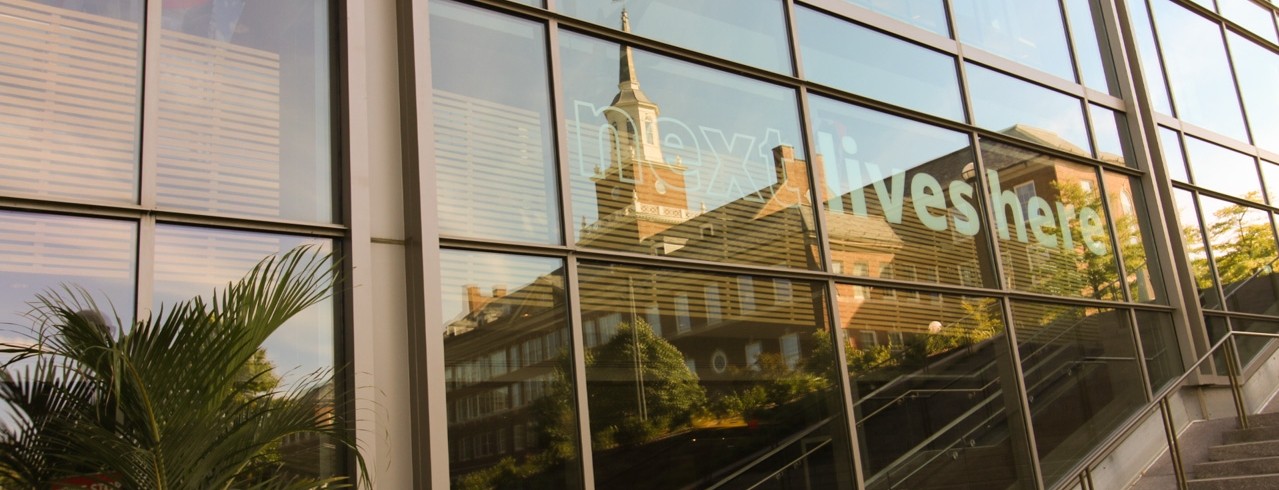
179, 401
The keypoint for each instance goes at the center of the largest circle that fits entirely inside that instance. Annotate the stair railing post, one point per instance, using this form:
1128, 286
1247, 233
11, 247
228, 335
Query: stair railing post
1174, 449
1236, 386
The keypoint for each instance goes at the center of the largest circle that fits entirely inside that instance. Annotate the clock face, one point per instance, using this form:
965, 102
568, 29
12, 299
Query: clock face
660, 187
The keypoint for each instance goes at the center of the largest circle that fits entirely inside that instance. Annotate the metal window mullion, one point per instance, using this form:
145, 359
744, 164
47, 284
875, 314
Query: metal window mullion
1064, 11
429, 414
150, 103
1158, 54
845, 383
145, 281
358, 348
1017, 382
586, 472
578, 353
1019, 392
1139, 351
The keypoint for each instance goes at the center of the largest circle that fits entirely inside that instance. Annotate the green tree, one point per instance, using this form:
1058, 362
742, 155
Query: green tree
183, 399
640, 387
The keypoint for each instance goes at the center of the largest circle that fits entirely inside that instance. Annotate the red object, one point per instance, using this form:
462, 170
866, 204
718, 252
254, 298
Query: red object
87, 482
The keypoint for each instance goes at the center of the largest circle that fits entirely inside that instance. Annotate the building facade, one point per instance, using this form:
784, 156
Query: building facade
675, 244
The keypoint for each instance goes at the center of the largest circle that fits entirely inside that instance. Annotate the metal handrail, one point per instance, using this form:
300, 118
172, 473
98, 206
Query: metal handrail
1160, 401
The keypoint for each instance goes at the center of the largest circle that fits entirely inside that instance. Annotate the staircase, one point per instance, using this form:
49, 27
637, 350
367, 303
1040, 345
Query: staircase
1247, 458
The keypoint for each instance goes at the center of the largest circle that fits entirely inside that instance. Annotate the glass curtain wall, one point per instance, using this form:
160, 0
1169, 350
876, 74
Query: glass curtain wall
709, 247
171, 190
1219, 61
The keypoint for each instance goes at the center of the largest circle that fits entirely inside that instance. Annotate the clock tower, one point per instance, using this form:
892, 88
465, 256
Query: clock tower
639, 183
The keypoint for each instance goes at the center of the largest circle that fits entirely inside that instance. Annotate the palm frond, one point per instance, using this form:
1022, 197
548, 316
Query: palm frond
170, 403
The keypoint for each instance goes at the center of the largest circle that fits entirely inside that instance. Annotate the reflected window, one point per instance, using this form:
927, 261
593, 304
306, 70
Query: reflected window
191, 261
492, 303
70, 99
1198, 70
723, 177
491, 106
1030, 32
1024, 110
244, 119
1082, 378
866, 62
746, 31
896, 191
725, 403
1058, 241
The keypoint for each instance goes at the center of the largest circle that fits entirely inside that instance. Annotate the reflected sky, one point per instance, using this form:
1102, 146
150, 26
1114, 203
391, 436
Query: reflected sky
193, 261
928, 14
1030, 32
751, 32
1198, 71
1258, 72
1028, 111
878, 66
1223, 170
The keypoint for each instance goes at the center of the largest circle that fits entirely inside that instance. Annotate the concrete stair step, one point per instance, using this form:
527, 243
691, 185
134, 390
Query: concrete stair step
1251, 434
1257, 482
1237, 467
1264, 419
1246, 450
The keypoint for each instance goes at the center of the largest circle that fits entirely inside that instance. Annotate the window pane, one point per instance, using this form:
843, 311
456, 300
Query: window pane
1251, 347
1159, 347
739, 398
1251, 16
512, 420
1258, 72
1027, 111
866, 62
928, 14
1029, 32
1196, 250
42, 253
244, 123
1173, 157
1198, 70
1270, 176
1243, 249
684, 161
494, 166
746, 31
1089, 37
898, 193
1110, 131
1148, 54
1053, 231
1082, 378
70, 99
193, 262
934, 388
1128, 207
1223, 170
